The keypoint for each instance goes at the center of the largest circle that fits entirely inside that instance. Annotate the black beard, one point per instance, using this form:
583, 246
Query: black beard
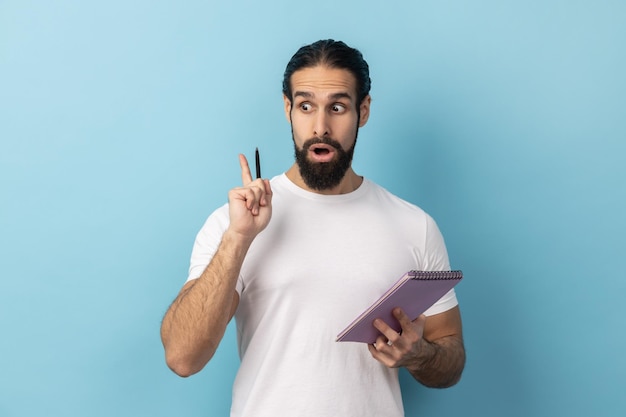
322, 176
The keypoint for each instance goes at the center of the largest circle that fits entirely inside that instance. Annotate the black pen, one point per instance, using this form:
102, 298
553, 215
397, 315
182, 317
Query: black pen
257, 162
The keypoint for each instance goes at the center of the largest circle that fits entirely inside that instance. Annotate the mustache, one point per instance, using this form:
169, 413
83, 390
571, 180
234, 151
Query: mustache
325, 140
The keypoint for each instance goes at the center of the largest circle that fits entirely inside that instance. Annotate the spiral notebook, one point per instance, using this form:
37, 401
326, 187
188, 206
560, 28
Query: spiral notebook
415, 292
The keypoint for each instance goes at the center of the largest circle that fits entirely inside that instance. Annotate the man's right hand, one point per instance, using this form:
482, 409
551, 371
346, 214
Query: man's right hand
250, 206
196, 321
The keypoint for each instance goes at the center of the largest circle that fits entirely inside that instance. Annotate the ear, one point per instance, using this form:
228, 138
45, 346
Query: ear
287, 108
365, 110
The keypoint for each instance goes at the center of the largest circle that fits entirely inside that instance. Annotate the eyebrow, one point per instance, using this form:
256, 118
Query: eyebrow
334, 96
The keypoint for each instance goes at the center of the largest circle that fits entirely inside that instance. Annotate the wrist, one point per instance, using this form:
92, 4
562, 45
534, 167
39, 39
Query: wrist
236, 241
428, 352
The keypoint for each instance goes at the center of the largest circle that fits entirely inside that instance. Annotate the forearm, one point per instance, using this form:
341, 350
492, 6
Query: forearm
441, 362
196, 321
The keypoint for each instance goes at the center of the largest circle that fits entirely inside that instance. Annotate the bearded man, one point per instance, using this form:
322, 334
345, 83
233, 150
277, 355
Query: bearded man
294, 259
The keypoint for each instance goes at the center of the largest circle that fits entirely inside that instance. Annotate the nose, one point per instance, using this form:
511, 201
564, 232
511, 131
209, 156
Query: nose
321, 128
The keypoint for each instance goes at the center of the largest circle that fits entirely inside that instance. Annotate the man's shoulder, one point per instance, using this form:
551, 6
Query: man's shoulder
387, 197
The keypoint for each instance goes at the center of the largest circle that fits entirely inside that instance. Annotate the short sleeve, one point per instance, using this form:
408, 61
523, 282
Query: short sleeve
207, 241
436, 259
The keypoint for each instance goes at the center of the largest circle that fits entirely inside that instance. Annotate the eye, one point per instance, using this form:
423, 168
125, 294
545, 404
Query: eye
305, 107
338, 108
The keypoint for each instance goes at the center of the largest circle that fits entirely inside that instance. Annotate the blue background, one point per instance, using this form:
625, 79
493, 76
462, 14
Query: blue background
120, 125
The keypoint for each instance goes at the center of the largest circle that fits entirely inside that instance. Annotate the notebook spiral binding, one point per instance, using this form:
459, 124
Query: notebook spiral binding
435, 275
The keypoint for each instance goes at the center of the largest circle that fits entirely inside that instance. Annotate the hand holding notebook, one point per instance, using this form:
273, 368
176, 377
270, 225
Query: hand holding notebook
415, 292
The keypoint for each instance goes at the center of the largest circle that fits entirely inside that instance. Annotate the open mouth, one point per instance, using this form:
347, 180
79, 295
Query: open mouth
321, 152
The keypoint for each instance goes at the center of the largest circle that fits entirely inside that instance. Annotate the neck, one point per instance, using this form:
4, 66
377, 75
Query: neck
350, 182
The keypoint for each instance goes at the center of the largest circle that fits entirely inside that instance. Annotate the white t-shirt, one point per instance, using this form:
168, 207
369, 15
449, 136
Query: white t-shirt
320, 262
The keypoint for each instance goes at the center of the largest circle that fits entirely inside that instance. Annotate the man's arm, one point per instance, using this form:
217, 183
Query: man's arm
196, 321
431, 348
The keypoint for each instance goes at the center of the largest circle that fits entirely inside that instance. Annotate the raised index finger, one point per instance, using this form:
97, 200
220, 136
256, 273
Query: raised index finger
246, 175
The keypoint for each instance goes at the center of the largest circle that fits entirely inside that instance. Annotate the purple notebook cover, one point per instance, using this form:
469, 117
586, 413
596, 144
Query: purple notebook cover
415, 292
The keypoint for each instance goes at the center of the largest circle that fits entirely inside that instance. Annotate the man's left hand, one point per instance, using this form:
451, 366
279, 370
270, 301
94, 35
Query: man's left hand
405, 349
